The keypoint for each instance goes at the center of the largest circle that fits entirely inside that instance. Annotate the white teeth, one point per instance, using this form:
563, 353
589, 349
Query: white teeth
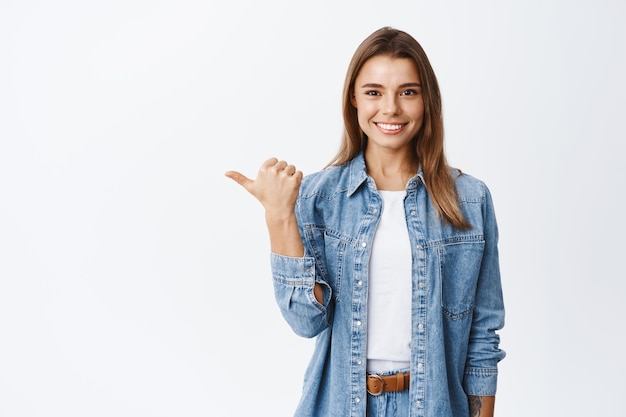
389, 127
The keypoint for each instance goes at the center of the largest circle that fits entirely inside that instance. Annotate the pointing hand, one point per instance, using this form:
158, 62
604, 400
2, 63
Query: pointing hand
276, 186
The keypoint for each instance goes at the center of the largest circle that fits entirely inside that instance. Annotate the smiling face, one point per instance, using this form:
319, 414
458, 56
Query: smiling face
389, 103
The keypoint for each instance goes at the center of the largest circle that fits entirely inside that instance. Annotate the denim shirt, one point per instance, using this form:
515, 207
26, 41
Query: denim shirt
457, 304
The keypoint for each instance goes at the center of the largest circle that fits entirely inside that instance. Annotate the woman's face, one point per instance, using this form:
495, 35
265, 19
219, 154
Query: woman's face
388, 99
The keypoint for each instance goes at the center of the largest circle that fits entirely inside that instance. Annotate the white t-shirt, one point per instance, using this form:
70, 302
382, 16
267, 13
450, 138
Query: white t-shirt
389, 289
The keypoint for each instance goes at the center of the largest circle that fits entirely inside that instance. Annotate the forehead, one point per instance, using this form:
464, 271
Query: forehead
387, 68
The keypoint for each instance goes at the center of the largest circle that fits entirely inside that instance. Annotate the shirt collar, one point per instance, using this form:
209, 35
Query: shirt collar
358, 173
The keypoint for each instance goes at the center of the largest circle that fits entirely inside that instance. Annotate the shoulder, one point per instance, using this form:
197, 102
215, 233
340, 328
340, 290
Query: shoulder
327, 182
469, 188
475, 200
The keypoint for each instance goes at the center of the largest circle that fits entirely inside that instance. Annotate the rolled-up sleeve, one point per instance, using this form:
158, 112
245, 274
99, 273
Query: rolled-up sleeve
484, 353
294, 280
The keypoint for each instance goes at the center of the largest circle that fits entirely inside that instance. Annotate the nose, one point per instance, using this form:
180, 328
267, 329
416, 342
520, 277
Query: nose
390, 105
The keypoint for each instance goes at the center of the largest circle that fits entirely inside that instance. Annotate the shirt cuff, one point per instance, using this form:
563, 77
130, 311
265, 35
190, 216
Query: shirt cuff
298, 272
481, 381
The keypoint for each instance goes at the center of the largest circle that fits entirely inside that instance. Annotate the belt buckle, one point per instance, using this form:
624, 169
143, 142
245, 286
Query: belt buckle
382, 384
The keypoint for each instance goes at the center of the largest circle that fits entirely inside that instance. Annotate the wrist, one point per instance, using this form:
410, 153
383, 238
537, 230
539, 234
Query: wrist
284, 234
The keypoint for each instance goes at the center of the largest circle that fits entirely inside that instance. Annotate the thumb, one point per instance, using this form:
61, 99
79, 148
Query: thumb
241, 179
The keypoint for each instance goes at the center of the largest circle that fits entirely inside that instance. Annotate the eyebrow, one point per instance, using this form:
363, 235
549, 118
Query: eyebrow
405, 85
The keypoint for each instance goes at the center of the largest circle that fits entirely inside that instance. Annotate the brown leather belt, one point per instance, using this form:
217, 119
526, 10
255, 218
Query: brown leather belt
377, 384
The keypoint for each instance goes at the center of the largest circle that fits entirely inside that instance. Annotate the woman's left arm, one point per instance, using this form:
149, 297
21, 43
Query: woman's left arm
481, 406
484, 353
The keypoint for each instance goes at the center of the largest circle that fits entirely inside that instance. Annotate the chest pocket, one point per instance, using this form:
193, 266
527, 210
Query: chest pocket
330, 249
459, 270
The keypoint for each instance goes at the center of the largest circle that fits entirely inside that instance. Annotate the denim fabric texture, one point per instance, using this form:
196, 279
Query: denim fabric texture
389, 404
457, 304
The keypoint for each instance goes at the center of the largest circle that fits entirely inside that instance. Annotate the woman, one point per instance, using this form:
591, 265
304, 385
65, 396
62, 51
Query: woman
388, 256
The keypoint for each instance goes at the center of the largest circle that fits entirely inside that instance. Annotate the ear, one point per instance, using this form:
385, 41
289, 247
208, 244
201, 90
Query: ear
353, 100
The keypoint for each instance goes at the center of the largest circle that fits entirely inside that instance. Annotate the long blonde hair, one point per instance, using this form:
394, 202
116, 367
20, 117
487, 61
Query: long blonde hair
429, 149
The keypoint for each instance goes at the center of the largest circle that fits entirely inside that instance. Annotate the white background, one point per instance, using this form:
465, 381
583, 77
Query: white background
134, 277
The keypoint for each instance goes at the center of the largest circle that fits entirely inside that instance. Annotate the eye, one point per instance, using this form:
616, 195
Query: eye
409, 92
372, 93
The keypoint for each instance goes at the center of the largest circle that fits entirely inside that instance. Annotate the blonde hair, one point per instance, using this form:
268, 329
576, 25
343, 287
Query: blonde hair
429, 150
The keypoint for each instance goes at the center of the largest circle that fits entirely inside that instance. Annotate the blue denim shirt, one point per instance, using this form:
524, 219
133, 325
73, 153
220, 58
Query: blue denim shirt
457, 304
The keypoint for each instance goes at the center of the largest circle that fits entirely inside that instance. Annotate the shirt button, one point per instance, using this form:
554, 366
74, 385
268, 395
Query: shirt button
359, 361
358, 322
375, 211
418, 403
359, 283
420, 365
364, 244
413, 212
357, 400
420, 327
421, 285
419, 246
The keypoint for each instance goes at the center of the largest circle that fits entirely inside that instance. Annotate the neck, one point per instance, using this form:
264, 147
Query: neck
390, 172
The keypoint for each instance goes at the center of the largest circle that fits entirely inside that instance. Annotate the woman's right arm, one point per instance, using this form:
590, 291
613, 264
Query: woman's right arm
276, 187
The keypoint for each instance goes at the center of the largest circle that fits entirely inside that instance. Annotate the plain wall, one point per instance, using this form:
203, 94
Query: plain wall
134, 277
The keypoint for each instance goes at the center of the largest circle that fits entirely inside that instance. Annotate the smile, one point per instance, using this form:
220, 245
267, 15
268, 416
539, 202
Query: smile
388, 126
